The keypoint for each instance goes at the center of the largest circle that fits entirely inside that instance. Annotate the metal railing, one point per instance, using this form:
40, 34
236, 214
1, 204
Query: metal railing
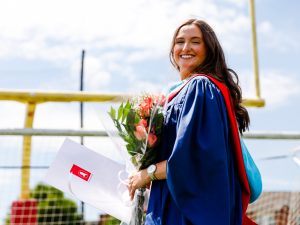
271, 135
34, 98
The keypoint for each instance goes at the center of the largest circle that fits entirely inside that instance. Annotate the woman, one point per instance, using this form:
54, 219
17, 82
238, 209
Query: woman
199, 178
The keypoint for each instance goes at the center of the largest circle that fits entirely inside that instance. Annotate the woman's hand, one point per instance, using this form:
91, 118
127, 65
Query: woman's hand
138, 180
141, 178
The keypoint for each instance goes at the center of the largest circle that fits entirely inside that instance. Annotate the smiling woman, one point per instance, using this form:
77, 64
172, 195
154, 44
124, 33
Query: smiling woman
199, 172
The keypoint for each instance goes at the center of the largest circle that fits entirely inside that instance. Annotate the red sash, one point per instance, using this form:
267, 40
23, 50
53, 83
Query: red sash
235, 142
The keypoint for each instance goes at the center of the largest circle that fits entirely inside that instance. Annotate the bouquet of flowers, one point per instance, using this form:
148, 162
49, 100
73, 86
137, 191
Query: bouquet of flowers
139, 122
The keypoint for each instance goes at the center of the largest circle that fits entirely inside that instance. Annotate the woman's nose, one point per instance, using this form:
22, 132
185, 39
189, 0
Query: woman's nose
186, 46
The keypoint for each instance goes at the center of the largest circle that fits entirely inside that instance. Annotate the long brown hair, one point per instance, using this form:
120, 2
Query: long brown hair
215, 66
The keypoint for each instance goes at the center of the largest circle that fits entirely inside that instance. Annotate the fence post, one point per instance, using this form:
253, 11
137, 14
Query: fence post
30, 110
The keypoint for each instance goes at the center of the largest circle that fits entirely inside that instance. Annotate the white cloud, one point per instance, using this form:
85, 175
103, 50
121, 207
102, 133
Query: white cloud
277, 177
273, 86
142, 55
265, 27
12, 114
96, 73
239, 3
7, 178
234, 34
277, 87
57, 116
146, 87
283, 41
115, 38
118, 37
280, 184
51, 29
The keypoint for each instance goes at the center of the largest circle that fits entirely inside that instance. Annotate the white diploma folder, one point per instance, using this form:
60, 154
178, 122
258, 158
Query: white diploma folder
91, 178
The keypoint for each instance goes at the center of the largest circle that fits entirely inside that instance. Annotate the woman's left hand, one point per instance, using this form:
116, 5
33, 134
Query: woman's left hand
139, 179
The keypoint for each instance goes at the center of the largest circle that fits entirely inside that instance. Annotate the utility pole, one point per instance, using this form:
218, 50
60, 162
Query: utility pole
81, 112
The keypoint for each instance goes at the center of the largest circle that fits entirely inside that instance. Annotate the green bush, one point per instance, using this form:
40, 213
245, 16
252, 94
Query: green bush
54, 207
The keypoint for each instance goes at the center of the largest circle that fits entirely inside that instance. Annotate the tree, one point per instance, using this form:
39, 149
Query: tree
54, 207
108, 220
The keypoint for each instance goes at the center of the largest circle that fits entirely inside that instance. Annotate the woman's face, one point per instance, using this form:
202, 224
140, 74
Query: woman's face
189, 50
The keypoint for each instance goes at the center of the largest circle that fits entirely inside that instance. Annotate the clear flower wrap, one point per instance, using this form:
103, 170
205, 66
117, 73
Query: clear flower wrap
139, 124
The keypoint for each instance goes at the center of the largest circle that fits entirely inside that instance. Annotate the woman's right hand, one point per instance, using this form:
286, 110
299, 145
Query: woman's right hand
138, 180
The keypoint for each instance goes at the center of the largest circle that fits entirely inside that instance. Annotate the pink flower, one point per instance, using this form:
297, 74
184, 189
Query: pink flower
160, 100
143, 123
145, 107
151, 139
140, 132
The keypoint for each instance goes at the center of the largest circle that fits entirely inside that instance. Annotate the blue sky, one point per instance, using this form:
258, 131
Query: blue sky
127, 45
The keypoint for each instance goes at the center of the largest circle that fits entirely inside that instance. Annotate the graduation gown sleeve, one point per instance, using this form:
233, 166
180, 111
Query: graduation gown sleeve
200, 170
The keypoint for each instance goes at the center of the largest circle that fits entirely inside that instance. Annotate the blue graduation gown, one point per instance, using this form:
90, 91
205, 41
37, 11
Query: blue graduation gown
202, 185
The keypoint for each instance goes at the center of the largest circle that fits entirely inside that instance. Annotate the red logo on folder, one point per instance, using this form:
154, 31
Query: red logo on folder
80, 172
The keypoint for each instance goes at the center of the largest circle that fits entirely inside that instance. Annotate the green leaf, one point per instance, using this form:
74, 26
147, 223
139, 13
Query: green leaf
128, 105
112, 113
130, 119
131, 149
126, 110
158, 123
128, 139
118, 126
136, 119
120, 112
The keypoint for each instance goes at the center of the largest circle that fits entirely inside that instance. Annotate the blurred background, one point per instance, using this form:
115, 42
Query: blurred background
126, 46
